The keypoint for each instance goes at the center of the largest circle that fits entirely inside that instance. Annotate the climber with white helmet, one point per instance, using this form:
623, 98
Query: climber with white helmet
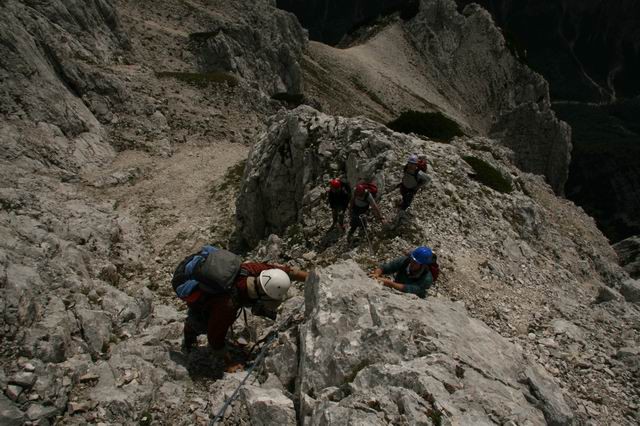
220, 285
413, 178
414, 273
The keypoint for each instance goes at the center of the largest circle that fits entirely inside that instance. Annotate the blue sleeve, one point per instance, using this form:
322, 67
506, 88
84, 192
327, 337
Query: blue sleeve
394, 266
421, 286
414, 289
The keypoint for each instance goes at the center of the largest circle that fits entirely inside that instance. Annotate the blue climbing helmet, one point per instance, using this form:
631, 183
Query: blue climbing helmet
422, 255
413, 159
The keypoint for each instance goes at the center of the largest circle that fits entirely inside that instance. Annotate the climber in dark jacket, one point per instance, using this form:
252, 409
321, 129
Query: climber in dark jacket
338, 198
413, 178
412, 272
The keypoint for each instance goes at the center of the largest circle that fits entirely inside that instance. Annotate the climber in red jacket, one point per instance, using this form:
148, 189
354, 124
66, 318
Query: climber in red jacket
261, 286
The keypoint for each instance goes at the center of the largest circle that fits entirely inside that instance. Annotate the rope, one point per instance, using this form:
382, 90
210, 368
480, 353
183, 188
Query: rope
366, 233
234, 395
263, 352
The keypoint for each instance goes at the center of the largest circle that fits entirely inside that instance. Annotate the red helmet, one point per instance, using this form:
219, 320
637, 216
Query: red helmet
335, 183
360, 188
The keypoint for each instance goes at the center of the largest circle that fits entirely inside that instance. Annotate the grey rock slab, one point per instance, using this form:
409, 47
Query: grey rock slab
567, 328
630, 289
13, 392
268, 406
38, 411
465, 52
544, 389
23, 379
3, 379
629, 255
10, 415
607, 294
431, 348
96, 329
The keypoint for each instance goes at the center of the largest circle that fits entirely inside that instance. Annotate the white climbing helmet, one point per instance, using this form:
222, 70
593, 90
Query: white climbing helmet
275, 283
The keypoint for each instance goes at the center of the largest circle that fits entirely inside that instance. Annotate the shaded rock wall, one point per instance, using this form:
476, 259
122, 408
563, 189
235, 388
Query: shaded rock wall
329, 21
390, 358
263, 46
468, 58
629, 255
587, 50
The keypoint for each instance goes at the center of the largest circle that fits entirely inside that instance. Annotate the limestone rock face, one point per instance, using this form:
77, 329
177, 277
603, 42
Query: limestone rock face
468, 57
300, 148
263, 46
392, 358
52, 51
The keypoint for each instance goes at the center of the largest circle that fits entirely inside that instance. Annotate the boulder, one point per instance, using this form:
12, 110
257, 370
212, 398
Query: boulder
630, 289
389, 357
629, 255
268, 406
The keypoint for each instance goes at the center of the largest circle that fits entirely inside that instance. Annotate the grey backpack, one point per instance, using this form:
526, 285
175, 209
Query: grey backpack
217, 274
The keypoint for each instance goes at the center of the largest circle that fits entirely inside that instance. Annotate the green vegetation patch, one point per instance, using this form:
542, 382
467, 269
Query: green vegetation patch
488, 175
232, 178
200, 79
434, 125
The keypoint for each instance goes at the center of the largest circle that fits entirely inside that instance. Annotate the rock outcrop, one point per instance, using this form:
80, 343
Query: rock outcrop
467, 55
527, 263
262, 44
629, 255
587, 50
393, 359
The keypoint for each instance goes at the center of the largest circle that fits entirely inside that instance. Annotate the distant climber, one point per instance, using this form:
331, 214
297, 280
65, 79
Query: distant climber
215, 284
338, 198
413, 178
363, 198
414, 273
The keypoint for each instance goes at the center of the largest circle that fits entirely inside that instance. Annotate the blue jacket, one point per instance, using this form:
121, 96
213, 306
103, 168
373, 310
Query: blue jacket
412, 284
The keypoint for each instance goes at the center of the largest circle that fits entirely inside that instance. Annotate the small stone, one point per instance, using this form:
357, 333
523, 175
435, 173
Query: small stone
88, 378
33, 397
548, 342
309, 256
13, 392
29, 367
23, 379
77, 407
532, 336
38, 411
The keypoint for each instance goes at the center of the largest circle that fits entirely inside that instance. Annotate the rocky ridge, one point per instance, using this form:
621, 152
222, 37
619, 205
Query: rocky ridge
520, 261
92, 221
456, 62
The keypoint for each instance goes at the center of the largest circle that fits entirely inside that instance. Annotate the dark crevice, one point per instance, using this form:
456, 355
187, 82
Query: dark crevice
329, 21
58, 69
